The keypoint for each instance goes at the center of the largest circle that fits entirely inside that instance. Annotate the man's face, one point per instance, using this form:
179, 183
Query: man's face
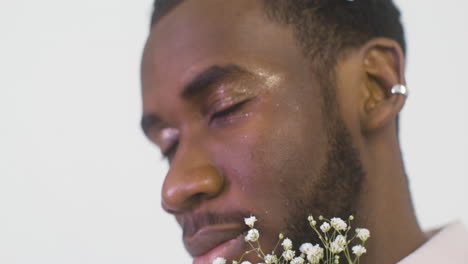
230, 98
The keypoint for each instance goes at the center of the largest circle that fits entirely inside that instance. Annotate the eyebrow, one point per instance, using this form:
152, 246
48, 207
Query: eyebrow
203, 81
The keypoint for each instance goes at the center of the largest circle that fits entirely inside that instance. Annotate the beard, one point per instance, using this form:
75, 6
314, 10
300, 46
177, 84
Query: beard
336, 190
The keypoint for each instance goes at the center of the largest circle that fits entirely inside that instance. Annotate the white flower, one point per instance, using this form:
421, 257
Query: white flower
271, 259
252, 235
338, 245
297, 260
315, 254
313, 259
289, 254
306, 248
287, 244
219, 261
338, 224
246, 262
363, 234
341, 240
325, 227
335, 248
359, 250
250, 221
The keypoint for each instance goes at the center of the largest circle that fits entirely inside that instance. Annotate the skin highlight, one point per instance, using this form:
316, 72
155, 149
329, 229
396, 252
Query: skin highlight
256, 135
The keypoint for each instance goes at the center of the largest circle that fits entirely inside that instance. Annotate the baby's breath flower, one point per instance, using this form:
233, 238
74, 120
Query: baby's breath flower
341, 240
325, 227
297, 260
252, 235
338, 245
250, 221
363, 234
335, 248
271, 259
219, 261
338, 224
306, 248
289, 254
315, 254
287, 244
313, 259
358, 250
309, 254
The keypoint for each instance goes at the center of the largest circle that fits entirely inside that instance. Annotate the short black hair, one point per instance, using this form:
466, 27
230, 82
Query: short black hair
326, 28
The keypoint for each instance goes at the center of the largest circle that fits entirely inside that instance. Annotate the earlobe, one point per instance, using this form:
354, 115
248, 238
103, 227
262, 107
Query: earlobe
385, 92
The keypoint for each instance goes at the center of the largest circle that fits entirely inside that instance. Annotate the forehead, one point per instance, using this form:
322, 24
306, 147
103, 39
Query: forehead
198, 34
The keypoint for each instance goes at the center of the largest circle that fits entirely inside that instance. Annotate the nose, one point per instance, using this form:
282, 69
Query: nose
191, 179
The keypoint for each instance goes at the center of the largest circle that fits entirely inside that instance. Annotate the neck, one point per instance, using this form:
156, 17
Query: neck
386, 208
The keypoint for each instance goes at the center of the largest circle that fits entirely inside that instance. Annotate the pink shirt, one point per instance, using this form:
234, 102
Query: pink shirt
449, 245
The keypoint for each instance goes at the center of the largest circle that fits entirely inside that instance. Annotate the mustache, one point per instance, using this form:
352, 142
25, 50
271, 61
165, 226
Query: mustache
194, 222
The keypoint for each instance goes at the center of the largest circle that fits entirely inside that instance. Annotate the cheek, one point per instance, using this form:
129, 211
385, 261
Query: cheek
271, 155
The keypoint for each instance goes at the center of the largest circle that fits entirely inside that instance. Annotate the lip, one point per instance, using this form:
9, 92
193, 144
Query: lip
215, 241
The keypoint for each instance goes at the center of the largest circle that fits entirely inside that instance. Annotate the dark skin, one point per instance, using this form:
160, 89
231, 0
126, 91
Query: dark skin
230, 98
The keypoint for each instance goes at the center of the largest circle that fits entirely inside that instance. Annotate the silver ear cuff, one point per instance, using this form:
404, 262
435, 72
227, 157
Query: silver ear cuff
399, 89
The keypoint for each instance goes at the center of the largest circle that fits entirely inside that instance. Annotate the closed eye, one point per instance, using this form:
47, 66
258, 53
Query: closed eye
228, 111
169, 152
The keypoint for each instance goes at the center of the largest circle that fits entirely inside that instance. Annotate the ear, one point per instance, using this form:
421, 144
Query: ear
384, 68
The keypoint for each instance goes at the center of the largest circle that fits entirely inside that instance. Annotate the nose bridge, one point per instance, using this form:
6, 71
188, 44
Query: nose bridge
192, 177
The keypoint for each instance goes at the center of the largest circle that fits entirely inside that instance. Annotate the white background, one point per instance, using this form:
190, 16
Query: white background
80, 184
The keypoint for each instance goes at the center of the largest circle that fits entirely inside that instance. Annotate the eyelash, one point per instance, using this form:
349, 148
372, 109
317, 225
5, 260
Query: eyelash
217, 115
228, 111
169, 153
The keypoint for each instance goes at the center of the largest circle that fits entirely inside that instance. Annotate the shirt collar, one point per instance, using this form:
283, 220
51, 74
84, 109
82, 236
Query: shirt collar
449, 245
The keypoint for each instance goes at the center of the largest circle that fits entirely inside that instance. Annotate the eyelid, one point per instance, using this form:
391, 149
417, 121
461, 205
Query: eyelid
168, 153
225, 95
229, 114
168, 138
